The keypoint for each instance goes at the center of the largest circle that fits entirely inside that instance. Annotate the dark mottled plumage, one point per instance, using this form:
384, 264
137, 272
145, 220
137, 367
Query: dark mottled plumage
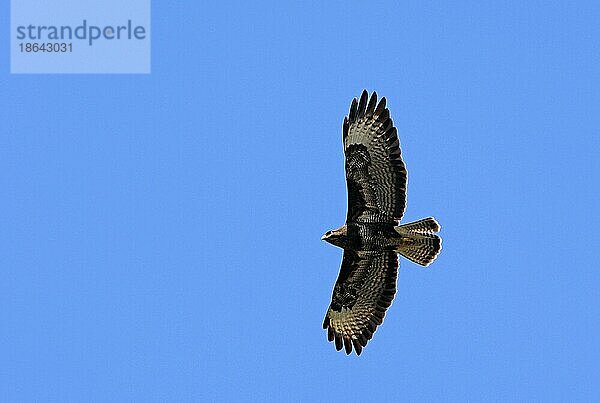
371, 237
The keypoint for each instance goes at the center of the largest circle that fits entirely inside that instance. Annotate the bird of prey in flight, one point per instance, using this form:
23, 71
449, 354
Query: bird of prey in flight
372, 237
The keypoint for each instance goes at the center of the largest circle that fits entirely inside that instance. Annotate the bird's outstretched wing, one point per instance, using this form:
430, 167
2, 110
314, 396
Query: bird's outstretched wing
375, 172
362, 293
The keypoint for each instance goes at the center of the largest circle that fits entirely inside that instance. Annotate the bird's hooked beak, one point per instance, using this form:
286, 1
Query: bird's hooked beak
324, 237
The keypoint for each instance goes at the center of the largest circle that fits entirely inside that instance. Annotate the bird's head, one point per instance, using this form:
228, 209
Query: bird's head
336, 237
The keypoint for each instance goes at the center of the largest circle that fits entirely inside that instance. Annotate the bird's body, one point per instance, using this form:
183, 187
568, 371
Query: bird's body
367, 237
372, 237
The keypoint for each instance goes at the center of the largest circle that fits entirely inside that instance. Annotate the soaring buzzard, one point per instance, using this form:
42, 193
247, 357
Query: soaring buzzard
371, 237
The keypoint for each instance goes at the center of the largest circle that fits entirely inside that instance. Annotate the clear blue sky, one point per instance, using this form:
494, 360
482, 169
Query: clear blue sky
161, 233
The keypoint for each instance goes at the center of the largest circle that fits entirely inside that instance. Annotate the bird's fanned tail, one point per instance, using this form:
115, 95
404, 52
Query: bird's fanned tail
417, 241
